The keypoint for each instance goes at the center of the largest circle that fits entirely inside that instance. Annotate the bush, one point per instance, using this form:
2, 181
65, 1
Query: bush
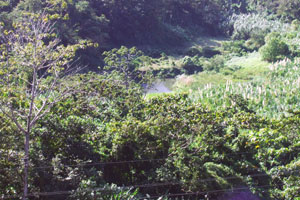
214, 64
295, 24
230, 70
235, 47
194, 51
191, 65
293, 40
209, 52
256, 41
274, 49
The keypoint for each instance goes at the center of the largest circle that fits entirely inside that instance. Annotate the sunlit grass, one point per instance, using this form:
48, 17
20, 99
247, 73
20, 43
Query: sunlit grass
272, 96
153, 95
251, 65
193, 82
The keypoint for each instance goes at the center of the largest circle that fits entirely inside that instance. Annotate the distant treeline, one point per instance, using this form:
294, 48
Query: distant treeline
153, 23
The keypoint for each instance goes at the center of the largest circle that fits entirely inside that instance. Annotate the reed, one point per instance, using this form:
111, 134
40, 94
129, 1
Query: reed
273, 96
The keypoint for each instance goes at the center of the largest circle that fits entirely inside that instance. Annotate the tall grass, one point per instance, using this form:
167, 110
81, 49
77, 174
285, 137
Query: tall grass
273, 96
248, 25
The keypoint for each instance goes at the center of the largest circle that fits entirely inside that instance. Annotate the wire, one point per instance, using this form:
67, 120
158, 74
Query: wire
119, 162
202, 193
153, 197
136, 186
142, 186
212, 179
126, 161
104, 163
99, 163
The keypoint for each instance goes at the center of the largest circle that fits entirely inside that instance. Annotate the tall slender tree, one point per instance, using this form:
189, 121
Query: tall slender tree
34, 70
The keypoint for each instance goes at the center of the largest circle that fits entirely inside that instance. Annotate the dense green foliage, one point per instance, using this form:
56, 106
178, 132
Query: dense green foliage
109, 140
198, 149
275, 48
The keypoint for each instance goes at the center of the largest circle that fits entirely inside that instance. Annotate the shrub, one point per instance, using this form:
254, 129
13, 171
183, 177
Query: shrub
295, 24
230, 70
194, 51
191, 65
209, 52
274, 49
293, 40
236, 47
216, 63
256, 41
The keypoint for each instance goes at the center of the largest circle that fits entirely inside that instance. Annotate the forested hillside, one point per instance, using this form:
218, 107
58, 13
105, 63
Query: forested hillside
83, 115
165, 24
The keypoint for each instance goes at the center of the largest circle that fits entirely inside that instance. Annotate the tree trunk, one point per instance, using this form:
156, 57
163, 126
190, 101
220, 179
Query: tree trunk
26, 161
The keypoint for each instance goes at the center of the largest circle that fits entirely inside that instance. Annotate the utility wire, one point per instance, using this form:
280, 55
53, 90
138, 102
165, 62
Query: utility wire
142, 186
98, 163
55, 193
126, 161
104, 163
203, 193
121, 162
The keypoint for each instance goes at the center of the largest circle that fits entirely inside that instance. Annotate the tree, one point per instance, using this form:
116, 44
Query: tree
34, 71
125, 64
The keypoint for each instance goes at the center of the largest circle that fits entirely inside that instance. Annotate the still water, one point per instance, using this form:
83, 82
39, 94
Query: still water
161, 86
